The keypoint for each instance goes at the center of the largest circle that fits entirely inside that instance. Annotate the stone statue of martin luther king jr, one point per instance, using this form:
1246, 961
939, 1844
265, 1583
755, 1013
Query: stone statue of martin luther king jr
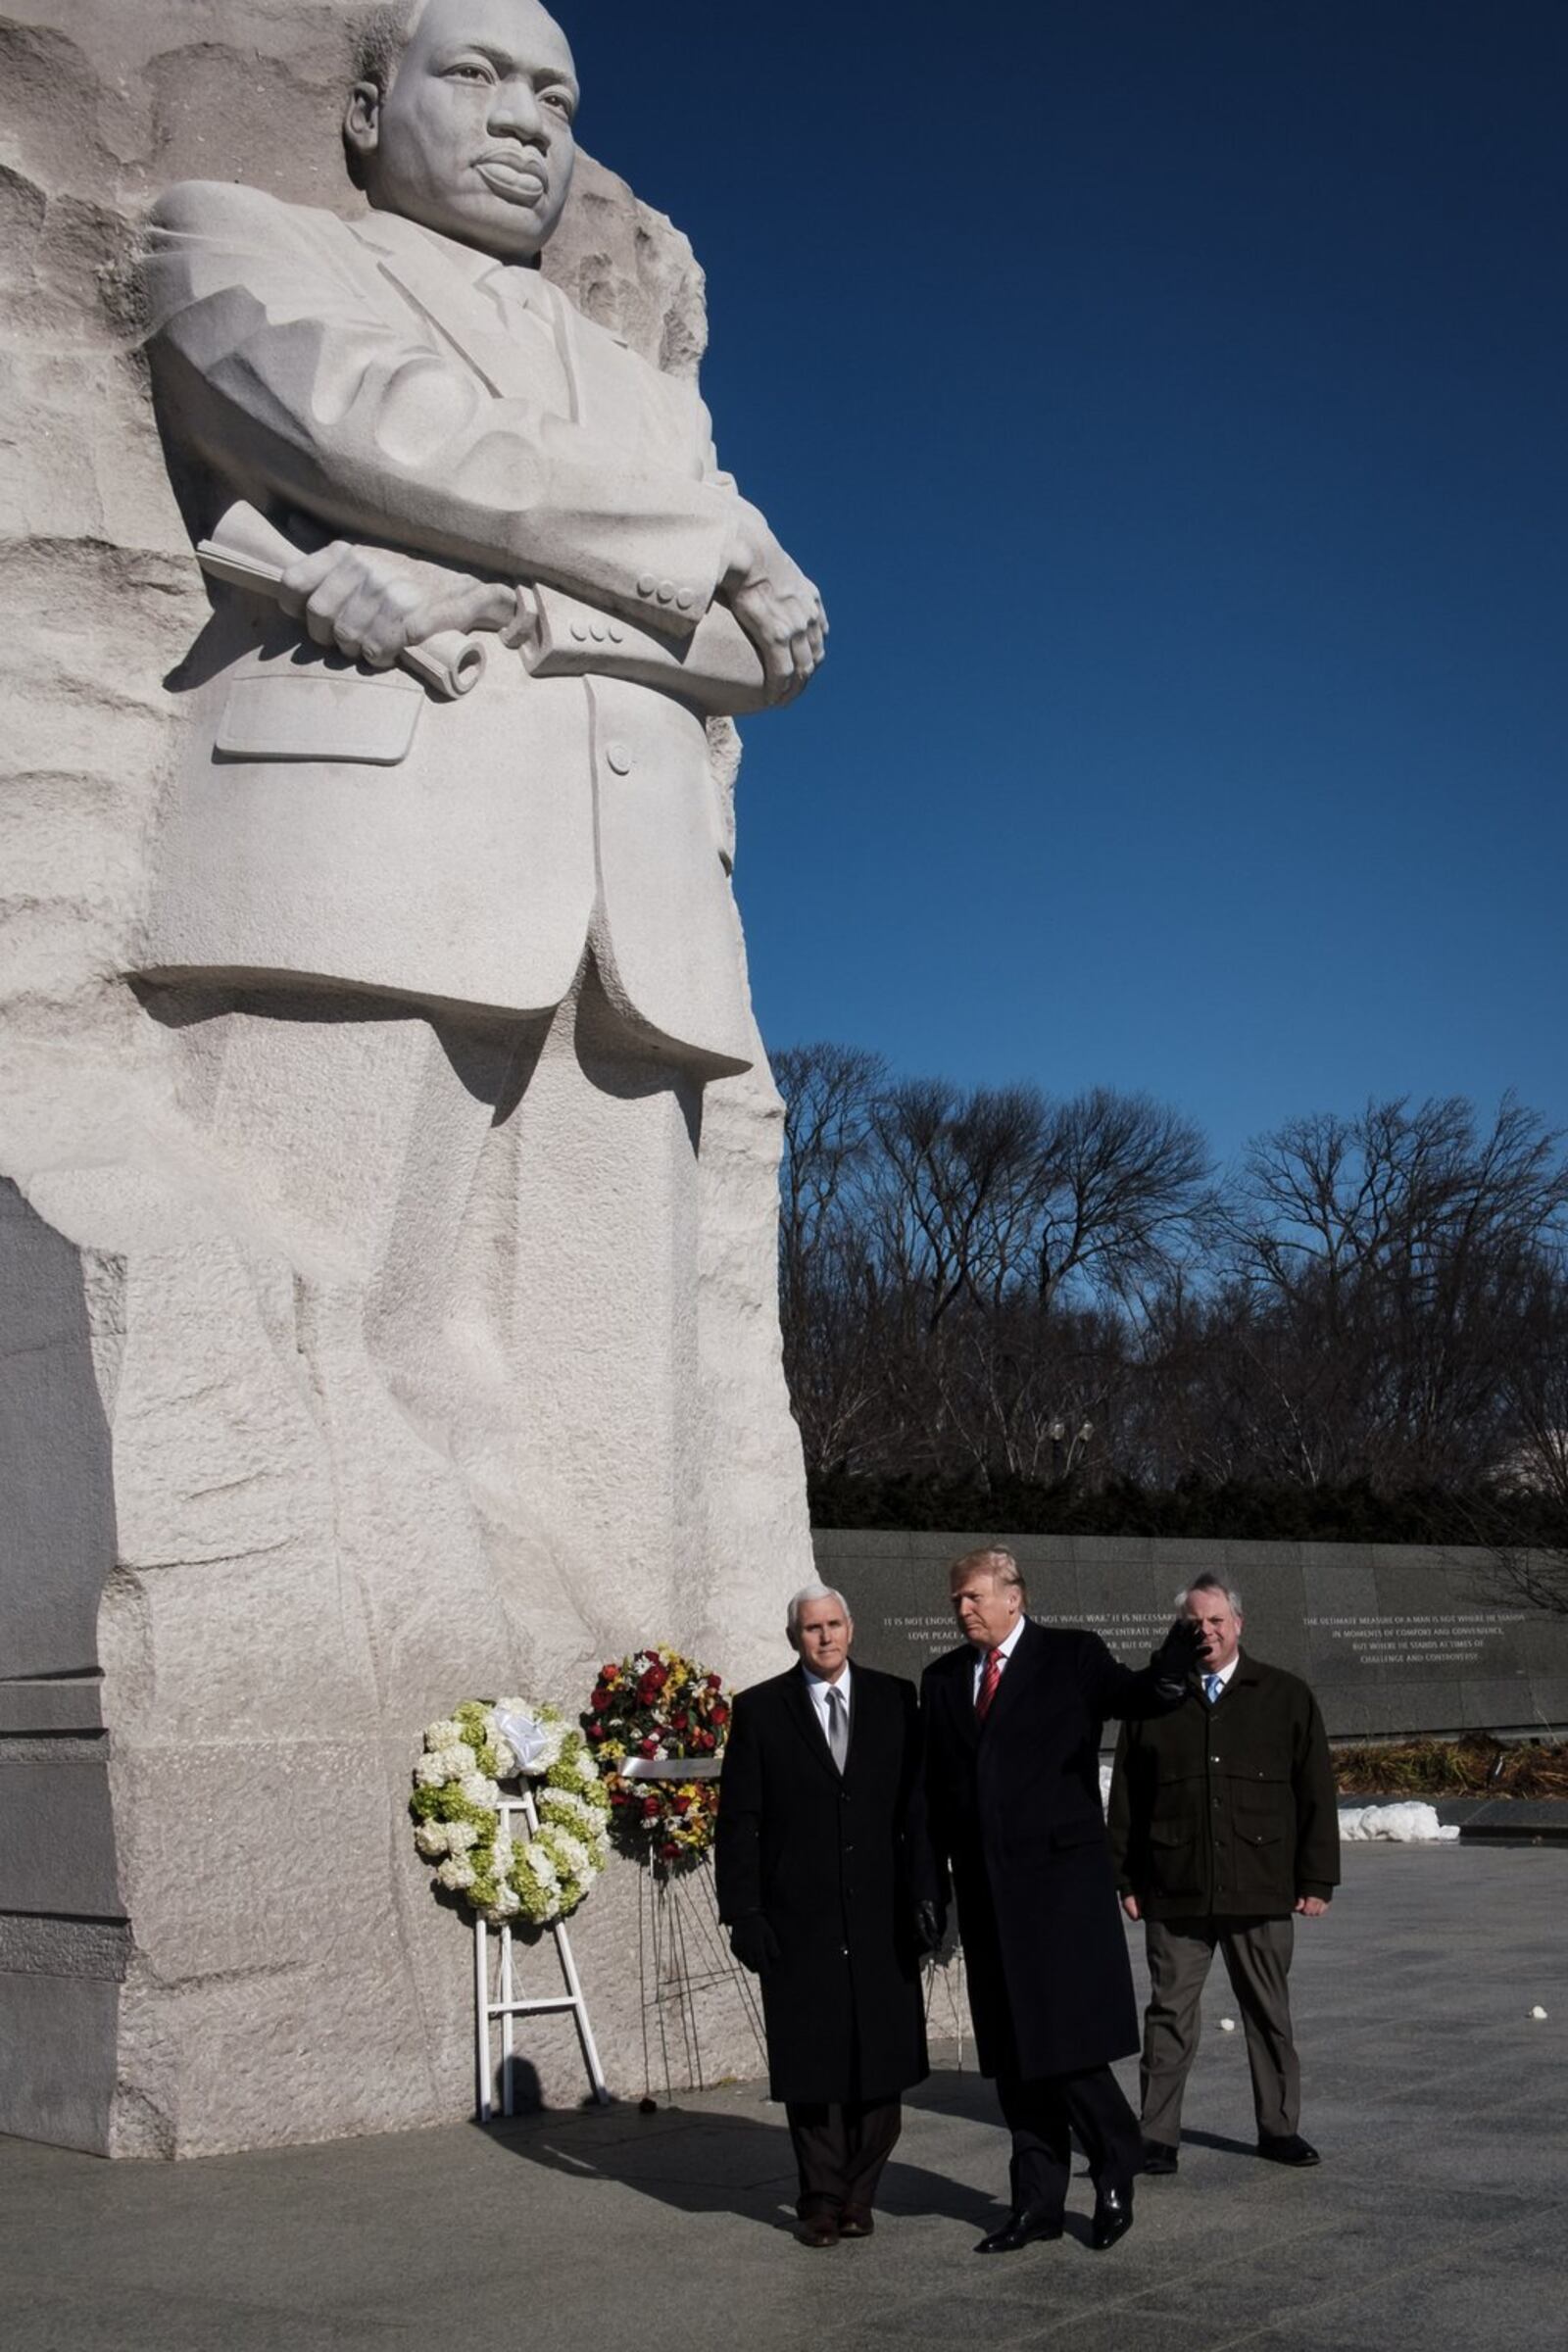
385, 917
408, 387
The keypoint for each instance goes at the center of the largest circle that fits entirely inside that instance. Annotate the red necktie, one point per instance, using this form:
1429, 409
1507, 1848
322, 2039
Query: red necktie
987, 1682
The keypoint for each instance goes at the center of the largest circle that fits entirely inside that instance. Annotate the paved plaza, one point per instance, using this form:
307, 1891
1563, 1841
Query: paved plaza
1438, 2217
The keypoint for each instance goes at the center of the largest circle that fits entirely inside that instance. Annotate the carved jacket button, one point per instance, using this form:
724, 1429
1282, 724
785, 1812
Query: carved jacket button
618, 756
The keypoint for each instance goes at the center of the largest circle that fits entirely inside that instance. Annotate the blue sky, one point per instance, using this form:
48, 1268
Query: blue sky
1170, 399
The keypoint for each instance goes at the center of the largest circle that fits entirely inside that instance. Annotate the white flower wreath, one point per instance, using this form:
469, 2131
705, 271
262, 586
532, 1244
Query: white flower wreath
457, 1810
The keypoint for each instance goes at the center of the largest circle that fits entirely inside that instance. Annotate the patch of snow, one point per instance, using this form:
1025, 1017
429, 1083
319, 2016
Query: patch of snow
1398, 1824
1401, 1824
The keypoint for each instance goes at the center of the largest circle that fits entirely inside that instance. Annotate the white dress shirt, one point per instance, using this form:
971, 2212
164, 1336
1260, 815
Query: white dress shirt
1007, 1649
1224, 1673
817, 1687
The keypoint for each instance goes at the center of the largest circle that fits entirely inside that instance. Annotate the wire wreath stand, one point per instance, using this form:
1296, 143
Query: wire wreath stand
682, 1952
947, 1996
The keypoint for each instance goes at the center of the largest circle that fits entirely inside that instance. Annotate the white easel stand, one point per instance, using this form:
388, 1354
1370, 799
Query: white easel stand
507, 2006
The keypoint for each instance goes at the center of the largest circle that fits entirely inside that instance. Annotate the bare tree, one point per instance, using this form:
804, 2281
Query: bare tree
968, 1274
829, 1291
1537, 1390
1386, 1257
830, 1095
976, 1241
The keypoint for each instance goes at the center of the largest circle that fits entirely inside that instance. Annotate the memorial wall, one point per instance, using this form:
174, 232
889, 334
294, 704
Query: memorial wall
1394, 1639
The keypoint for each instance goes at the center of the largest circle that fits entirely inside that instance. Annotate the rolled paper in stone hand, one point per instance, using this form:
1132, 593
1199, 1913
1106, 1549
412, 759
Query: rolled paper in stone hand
247, 551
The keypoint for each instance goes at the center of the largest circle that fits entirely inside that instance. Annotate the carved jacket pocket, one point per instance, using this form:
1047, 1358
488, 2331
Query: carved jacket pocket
318, 710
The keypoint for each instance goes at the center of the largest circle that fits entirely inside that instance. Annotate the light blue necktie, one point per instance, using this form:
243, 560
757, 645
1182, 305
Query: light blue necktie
1212, 1687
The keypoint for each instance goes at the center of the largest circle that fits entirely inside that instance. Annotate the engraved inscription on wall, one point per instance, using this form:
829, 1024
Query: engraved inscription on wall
1405, 1640
1130, 1633
1408, 1642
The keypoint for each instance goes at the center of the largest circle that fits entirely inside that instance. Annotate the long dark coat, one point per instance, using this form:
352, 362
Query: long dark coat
825, 1858
1229, 1809
1015, 1811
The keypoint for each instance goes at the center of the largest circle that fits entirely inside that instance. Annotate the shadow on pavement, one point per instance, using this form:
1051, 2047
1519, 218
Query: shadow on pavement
698, 2161
1217, 2139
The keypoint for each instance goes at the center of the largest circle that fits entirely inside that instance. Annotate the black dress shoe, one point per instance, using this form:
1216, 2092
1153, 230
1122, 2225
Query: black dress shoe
1018, 2228
1159, 2156
1113, 2217
1290, 2148
819, 2229
856, 2220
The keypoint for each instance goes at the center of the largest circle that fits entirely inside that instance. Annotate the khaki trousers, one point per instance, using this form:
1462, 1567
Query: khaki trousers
1257, 1960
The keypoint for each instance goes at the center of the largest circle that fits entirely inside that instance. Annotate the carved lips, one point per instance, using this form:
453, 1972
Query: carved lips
519, 178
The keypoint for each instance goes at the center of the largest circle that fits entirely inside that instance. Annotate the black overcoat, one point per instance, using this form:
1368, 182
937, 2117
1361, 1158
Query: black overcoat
825, 1858
1015, 1811
1231, 1809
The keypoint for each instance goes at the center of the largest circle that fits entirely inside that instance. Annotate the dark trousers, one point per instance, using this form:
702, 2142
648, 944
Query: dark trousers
1043, 2111
839, 2149
1257, 1960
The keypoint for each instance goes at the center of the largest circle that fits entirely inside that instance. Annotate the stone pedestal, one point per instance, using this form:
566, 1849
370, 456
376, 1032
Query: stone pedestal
248, 1546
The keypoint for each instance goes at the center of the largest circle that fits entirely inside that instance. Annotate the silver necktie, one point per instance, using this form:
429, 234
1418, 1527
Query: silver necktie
838, 1726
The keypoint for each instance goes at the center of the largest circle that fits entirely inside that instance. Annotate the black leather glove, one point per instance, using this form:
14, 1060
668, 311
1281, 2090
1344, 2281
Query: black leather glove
930, 1926
1180, 1655
754, 1943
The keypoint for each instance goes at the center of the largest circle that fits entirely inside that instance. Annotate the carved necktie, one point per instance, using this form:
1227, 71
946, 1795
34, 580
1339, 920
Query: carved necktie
987, 1682
838, 1726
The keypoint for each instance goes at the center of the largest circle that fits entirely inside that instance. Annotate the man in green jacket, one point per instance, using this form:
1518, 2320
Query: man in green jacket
1224, 1826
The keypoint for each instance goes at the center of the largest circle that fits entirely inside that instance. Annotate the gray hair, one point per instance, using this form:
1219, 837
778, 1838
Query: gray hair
799, 1599
1212, 1584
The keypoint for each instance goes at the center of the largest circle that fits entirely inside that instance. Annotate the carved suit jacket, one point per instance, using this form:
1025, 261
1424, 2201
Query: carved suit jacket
373, 380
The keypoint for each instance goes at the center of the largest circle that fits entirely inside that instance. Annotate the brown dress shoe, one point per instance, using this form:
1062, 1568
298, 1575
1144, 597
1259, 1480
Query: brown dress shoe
817, 2229
854, 2220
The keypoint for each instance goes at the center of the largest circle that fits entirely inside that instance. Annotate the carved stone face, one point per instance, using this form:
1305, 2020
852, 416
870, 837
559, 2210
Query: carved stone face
475, 137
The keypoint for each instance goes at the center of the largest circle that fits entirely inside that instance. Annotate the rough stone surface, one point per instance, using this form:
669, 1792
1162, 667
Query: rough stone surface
281, 1556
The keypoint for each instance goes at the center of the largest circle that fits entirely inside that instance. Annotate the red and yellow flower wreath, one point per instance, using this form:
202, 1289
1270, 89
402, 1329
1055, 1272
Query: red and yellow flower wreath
661, 1707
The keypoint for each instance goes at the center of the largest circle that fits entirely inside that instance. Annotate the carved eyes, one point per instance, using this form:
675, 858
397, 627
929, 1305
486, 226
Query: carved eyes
483, 75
